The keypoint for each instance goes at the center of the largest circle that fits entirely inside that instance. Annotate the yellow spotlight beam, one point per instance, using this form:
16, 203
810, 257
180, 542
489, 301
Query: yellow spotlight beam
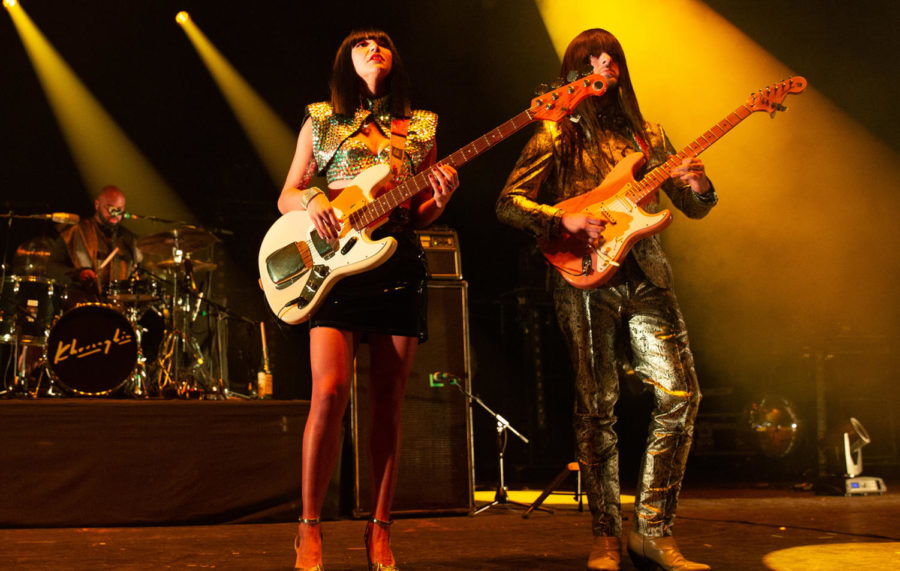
102, 152
272, 139
782, 183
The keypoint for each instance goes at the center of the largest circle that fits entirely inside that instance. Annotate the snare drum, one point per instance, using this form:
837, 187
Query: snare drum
133, 290
28, 305
92, 350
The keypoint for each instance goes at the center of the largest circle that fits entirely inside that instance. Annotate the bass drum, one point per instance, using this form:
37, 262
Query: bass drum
92, 350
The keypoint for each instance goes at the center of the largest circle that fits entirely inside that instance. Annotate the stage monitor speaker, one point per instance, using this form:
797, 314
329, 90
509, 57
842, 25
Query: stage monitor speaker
436, 472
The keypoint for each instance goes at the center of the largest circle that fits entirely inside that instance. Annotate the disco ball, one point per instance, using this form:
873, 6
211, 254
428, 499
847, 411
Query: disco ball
773, 426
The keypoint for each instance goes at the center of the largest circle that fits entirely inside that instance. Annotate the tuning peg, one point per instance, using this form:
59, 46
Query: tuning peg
575, 117
572, 76
556, 84
541, 89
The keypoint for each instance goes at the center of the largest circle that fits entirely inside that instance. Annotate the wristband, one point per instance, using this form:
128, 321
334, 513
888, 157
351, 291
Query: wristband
308, 196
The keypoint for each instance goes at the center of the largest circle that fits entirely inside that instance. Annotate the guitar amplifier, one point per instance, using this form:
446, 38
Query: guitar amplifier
441, 245
436, 465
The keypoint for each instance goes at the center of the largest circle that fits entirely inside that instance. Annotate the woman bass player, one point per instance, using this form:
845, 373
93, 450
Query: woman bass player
341, 138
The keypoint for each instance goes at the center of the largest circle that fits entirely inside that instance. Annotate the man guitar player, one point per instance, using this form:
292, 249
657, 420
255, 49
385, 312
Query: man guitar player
635, 310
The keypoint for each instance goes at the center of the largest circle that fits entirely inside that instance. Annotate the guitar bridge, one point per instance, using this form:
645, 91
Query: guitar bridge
603, 256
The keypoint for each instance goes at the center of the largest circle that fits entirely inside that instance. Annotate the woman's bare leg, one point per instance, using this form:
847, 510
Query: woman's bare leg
331, 356
392, 358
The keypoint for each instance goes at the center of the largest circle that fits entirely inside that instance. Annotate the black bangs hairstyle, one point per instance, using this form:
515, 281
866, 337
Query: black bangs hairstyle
348, 90
578, 58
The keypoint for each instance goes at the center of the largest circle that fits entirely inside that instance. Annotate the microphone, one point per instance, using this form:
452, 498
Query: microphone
58, 217
440, 378
126, 215
64, 218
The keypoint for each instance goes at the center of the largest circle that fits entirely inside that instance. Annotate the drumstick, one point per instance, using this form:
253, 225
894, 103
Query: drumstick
108, 258
103, 265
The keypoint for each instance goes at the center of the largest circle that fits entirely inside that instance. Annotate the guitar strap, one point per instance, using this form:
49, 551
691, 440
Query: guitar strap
399, 129
645, 148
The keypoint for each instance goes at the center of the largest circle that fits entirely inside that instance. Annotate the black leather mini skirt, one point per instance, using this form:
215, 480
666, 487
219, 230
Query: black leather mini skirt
389, 299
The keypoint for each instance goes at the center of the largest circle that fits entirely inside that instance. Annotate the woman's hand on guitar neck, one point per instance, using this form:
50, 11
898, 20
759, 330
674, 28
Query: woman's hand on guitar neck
323, 218
444, 181
584, 227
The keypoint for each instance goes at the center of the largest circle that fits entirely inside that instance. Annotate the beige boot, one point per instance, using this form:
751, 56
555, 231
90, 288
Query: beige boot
659, 552
606, 554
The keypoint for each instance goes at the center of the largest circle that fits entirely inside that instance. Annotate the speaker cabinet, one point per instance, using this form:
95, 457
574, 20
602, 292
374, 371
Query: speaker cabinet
436, 472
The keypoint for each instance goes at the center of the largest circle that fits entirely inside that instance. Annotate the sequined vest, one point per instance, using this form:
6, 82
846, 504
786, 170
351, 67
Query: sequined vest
340, 156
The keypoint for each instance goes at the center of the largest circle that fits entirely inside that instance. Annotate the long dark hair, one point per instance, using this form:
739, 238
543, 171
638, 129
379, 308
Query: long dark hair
622, 100
347, 89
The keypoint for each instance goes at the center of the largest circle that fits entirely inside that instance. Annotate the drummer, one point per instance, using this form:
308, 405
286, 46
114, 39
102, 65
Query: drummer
97, 251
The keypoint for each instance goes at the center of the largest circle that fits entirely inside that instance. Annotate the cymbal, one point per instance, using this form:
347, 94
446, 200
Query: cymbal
186, 240
170, 264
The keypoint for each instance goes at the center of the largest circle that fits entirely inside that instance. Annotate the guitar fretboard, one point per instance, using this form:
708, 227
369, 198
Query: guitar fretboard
384, 204
643, 189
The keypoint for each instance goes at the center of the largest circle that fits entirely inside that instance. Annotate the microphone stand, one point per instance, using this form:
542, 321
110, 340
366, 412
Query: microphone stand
133, 216
501, 497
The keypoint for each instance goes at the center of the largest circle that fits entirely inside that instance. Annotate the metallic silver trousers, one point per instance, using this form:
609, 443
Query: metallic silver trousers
600, 326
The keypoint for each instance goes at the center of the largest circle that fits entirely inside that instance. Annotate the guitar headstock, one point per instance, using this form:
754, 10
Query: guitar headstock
770, 98
556, 104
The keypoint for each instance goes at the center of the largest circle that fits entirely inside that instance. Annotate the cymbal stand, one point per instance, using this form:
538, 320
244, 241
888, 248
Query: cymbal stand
19, 387
137, 385
223, 314
179, 342
7, 389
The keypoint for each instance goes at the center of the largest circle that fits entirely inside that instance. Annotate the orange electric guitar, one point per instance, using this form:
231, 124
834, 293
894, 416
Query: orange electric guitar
618, 199
297, 267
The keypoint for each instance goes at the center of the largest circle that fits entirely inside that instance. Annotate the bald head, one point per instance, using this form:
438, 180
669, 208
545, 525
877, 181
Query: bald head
110, 197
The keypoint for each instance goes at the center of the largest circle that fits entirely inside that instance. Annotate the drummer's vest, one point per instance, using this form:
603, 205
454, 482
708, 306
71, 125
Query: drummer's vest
88, 246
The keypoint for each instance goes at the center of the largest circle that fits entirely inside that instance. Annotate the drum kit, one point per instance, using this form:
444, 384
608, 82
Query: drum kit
138, 340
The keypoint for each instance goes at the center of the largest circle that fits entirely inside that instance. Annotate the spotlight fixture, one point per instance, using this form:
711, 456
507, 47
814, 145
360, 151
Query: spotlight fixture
181, 17
774, 426
843, 446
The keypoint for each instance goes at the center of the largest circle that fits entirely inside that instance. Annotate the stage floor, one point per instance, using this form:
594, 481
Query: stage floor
735, 529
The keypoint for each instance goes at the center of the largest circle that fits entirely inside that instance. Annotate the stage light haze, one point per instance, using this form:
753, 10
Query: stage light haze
778, 261
271, 138
103, 153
